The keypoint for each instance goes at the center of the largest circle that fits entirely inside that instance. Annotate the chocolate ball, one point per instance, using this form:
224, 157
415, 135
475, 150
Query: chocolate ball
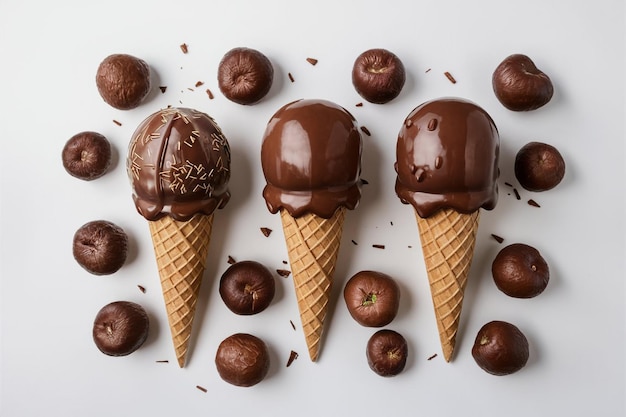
242, 360
372, 298
120, 328
87, 155
247, 287
519, 85
386, 352
500, 348
539, 166
100, 247
245, 75
520, 271
123, 81
378, 75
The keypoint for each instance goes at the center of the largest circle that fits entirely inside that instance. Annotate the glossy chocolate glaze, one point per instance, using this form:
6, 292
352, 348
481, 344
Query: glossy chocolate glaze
311, 158
179, 165
447, 157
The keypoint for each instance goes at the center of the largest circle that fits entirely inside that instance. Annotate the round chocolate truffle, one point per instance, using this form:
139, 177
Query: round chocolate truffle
242, 360
519, 85
247, 287
123, 81
100, 247
520, 271
372, 298
500, 348
245, 75
120, 328
311, 158
539, 166
386, 352
378, 75
87, 155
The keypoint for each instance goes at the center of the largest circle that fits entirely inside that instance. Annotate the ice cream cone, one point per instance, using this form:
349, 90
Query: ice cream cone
181, 250
313, 244
448, 239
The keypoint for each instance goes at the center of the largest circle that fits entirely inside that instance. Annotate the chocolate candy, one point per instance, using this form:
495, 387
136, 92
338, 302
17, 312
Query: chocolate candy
500, 348
242, 360
87, 155
387, 352
123, 81
245, 75
378, 75
120, 328
520, 271
519, 85
100, 247
539, 166
372, 298
247, 287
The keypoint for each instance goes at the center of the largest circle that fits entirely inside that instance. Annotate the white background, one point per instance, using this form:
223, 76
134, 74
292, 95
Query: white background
49, 53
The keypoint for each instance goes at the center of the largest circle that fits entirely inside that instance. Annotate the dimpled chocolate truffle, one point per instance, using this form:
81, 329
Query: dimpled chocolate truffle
242, 360
378, 75
123, 81
100, 247
120, 328
387, 352
87, 155
500, 348
245, 75
372, 298
247, 287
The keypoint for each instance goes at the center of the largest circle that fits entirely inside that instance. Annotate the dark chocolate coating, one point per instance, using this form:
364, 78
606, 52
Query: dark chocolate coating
247, 287
519, 85
311, 158
123, 81
179, 165
245, 75
87, 155
242, 360
520, 271
387, 352
100, 247
500, 348
539, 166
372, 298
120, 328
447, 157
378, 75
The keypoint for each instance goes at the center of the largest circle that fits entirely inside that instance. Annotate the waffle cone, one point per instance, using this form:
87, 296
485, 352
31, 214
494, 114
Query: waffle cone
313, 244
448, 239
181, 250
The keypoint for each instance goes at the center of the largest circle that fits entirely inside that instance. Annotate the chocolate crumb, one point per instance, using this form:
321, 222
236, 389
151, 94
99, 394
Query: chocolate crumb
190, 89
391, 223
266, 231
379, 246
116, 122
497, 238
359, 104
163, 88
283, 272
432, 357
366, 131
184, 48
210, 94
533, 203
364, 181
201, 388
285, 262
142, 288
449, 77
312, 61
516, 194
199, 83
290, 77
163, 361
410, 247
292, 325
292, 357
231, 260
353, 241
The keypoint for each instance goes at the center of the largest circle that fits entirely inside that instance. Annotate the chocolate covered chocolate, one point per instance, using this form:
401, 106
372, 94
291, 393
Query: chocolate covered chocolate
447, 157
245, 75
179, 165
123, 81
311, 158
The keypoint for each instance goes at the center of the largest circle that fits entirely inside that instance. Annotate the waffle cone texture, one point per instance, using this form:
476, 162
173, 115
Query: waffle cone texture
313, 244
448, 238
181, 250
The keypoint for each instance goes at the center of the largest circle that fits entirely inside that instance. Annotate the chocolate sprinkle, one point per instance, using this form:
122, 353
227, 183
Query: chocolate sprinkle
116, 122
163, 361
142, 288
266, 231
201, 388
379, 246
292, 325
292, 357
508, 184
533, 203
497, 238
353, 241
290, 77
231, 260
283, 272
428, 70
184, 48
366, 131
449, 77
163, 88
311, 61
285, 262
516, 194
359, 104
432, 357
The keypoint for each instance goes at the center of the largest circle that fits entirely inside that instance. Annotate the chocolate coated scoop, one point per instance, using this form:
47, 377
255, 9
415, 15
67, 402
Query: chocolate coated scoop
311, 158
447, 157
179, 164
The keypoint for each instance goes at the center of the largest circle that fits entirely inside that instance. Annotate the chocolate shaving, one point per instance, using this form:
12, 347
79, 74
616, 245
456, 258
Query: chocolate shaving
353, 241
292, 357
497, 238
428, 70
312, 61
516, 194
432, 357
163, 361
116, 122
366, 131
449, 77
210, 94
142, 288
163, 88
199, 83
201, 388
283, 272
290, 77
292, 325
231, 260
184, 48
533, 203
379, 246
359, 104
266, 231
190, 89
508, 184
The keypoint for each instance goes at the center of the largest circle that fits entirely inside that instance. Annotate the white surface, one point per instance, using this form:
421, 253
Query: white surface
50, 52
